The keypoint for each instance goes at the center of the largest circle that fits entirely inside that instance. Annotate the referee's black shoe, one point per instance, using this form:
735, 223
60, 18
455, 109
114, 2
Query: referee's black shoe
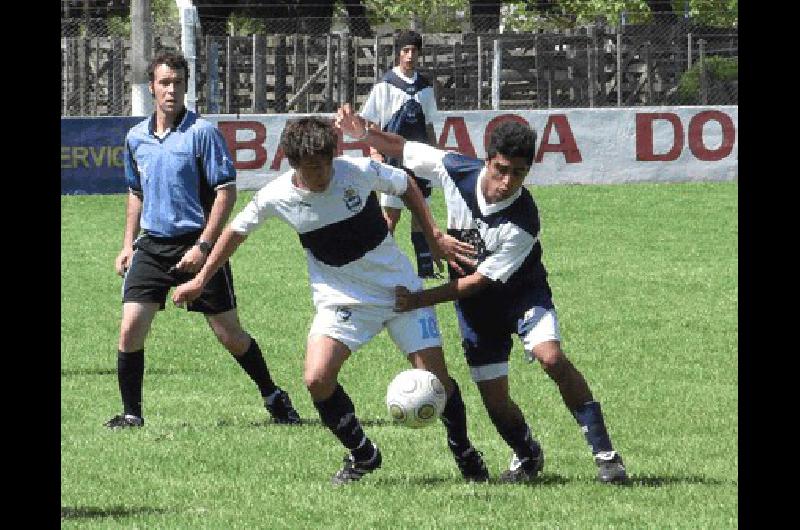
281, 409
124, 421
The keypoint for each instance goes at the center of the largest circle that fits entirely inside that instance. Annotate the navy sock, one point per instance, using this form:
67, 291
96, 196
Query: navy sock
423, 252
254, 364
454, 417
590, 418
518, 437
130, 374
339, 415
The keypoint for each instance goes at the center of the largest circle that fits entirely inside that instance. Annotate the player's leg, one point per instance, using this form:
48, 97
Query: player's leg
218, 303
528, 458
417, 334
541, 339
334, 334
487, 356
144, 292
421, 248
137, 318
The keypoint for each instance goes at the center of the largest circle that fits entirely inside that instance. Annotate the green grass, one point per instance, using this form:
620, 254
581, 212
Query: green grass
645, 282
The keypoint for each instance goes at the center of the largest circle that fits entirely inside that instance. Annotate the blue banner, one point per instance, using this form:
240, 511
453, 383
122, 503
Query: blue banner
92, 154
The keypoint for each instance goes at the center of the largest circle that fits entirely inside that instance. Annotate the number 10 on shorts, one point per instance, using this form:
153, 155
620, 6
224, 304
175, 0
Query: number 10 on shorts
429, 328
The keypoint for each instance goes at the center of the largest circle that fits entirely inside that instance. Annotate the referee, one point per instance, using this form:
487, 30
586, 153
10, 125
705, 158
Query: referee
182, 188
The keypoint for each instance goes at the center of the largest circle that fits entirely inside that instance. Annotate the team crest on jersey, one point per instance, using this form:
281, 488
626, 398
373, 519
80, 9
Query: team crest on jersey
352, 199
343, 314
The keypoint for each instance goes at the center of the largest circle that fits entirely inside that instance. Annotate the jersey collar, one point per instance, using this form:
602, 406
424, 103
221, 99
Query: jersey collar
179, 119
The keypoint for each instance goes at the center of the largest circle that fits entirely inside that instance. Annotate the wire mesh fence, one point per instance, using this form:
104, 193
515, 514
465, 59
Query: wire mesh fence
312, 64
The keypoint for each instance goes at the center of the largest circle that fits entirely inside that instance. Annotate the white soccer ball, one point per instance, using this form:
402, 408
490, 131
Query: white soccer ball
415, 398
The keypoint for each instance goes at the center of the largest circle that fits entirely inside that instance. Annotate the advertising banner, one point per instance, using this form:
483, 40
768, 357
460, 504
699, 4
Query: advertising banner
574, 146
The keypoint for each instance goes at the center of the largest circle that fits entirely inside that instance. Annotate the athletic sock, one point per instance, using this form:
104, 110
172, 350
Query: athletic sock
519, 439
252, 362
423, 253
130, 374
339, 415
590, 418
454, 418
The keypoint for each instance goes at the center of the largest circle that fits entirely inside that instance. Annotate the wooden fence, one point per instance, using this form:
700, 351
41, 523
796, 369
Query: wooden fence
586, 67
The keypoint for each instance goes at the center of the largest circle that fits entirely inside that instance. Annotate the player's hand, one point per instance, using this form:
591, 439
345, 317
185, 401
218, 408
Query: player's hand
186, 292
349, 122
403, 299
123, 260
456, 252
191, 262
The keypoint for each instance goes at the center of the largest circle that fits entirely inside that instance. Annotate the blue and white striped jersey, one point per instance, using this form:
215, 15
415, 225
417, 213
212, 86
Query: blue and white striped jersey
352, 259
505, 236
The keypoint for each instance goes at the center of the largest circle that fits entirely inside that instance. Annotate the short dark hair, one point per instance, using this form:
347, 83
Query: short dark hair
406, 38
172, 59
512, 139
309, 136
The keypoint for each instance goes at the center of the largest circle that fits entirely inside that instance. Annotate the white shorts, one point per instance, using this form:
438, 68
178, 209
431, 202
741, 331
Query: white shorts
393, 201
538, 325
355, 326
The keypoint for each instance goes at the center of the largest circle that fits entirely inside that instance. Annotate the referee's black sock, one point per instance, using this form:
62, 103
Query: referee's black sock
130, 374
454, 417
252, 362
339, 414
423, 253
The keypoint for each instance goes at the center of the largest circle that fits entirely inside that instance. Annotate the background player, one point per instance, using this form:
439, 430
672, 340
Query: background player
403, 102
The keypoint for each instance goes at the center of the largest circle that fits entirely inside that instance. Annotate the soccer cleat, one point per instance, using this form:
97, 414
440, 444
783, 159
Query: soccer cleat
610, 468
520, 471
281, 409
471, 465
352, 470
123, 421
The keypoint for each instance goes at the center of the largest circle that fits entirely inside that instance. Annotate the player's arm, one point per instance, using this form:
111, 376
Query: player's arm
224, 248
224, 201
133, 214
406, 300
357, 127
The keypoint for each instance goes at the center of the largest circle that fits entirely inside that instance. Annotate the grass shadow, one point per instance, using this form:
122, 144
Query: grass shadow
650, 481
93, 512
313, 422
68, 372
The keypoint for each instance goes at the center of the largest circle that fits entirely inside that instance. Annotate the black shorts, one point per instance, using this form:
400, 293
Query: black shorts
148, 278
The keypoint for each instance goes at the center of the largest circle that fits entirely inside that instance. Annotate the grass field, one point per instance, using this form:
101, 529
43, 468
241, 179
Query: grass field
645, 282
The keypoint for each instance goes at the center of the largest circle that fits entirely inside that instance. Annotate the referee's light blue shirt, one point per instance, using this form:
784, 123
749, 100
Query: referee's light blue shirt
176, 175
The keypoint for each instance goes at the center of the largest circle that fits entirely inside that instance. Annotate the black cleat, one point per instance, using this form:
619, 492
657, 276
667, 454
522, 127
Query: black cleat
610, 468
471, 465
521, 471
352, 470
124, 421
281, 408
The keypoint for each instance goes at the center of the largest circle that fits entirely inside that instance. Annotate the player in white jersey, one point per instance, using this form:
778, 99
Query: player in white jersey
501, 289
353, 265
403, 102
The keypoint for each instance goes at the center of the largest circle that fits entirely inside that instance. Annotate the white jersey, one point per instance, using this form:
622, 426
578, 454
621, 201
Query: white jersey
352, 259
385, 100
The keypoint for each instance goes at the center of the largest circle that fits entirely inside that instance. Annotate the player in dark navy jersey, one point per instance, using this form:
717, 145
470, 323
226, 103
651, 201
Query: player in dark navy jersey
182, 188
354, 265
500, 288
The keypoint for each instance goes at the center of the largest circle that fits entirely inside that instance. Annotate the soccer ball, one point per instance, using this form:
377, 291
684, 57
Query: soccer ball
415, 398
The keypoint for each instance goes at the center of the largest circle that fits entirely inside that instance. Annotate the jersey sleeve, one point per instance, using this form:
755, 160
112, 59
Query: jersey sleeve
253, 215
388, 179
371, 110
215, 158
505, 261
132, 175
425, 161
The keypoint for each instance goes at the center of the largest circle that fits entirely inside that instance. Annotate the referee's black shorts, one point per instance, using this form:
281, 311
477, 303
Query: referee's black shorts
148, 278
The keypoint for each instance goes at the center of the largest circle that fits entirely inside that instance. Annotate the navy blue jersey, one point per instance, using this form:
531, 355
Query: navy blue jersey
505, 235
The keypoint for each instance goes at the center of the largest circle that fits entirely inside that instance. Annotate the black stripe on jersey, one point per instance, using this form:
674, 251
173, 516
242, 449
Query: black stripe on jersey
419, 83
345, 241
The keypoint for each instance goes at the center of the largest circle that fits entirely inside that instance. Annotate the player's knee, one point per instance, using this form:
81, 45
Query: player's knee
131, 336
557, 367
319, 384
235, 341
